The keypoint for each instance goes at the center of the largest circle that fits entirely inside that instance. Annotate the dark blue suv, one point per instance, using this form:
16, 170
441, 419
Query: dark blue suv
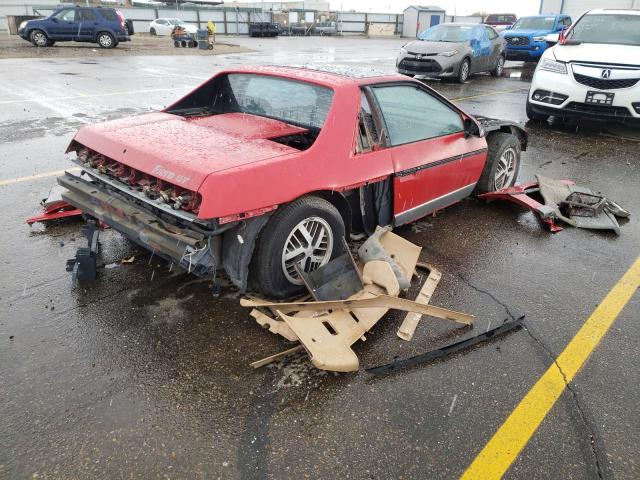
104, 26
526, 38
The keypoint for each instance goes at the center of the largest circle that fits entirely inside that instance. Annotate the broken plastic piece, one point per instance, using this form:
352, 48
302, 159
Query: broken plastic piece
55, 210
84, 266
448, 349
410, 323
276, 357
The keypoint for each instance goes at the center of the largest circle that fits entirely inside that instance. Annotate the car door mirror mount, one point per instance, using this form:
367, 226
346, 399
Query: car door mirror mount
472, 129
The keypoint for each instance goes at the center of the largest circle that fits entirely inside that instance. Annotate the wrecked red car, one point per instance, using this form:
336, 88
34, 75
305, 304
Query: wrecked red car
263, 171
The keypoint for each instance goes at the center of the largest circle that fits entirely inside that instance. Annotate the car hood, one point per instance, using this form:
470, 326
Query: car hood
526, 33
421, 46
598, 53
184, 151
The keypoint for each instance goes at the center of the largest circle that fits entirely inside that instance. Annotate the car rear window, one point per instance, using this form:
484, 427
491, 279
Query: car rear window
290, 101
109, 14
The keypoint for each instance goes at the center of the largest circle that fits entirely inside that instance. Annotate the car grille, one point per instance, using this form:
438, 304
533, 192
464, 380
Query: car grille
517, 41
422, 65
153, 188
599, 110
605, 83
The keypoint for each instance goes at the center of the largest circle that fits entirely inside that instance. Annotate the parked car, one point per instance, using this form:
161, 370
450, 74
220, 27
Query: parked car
325, 28
500, 21
453, 50
594, 70
105, 26
526, 38
288, 160
164, 26
264, 29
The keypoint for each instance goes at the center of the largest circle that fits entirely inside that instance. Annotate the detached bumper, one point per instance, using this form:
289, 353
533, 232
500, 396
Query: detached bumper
524, 55
429, 66
191, 250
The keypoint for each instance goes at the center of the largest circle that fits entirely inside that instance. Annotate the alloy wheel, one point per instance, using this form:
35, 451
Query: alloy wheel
40, 39
105, 40
309, 245
506, 170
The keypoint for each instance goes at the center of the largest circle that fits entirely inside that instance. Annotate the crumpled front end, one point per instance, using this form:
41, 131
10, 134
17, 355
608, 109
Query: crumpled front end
192, 250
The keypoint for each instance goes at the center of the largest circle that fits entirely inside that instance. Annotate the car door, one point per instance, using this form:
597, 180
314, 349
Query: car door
162, 27
88, 22
61, 25
435, 163
485, 49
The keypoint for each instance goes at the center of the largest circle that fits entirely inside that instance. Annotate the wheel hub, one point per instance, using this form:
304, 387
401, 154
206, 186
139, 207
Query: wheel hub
506, 169
309, 246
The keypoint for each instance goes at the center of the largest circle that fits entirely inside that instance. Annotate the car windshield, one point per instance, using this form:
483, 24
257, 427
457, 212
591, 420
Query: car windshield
447, 33
616, 29
290, 101
535, 23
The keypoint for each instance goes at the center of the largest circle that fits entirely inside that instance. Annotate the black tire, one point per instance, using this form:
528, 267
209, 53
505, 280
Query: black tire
152, 32
463, 73
39, 38
267, 270
176, 43
499, 143
183, 43
51, 43
210, 47
531, 115
106, 40
497, 70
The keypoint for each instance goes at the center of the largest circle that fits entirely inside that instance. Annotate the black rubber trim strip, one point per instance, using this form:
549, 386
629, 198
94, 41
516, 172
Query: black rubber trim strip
438, 163
448, 349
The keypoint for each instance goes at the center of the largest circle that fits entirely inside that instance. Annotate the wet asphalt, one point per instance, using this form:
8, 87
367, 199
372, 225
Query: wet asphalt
143, 374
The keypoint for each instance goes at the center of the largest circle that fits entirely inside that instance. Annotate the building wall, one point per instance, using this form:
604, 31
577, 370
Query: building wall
409, 23
575, 8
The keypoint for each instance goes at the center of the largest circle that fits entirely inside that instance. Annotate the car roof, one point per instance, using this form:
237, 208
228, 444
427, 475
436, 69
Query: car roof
612, 11
329, 75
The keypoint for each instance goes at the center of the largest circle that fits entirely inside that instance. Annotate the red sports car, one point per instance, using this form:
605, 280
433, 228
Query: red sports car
262, 169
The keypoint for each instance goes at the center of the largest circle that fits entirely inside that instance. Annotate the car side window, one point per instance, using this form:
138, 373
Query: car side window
411, 114
87, 15
161, 22
491, 33
367, 131
66, 15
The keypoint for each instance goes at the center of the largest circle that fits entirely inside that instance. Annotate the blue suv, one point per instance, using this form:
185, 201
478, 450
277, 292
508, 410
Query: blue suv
526, 38
104, 26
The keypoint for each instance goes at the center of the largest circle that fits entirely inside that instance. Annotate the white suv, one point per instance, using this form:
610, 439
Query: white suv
593, 71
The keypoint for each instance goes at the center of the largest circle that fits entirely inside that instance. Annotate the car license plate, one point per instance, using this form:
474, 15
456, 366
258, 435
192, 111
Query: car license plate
599, 98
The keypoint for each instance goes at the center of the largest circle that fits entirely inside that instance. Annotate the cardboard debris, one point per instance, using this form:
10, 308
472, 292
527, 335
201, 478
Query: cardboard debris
327, 329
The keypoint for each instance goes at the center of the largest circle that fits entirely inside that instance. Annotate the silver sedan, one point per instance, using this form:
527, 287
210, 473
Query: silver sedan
454, 50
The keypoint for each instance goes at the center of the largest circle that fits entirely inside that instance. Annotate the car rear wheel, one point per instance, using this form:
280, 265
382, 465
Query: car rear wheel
306, 233
39, 38
503, 163
497, 71
106, 40
531, 115
463, 71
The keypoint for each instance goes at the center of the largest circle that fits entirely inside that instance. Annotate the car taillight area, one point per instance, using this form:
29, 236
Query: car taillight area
150, 186
123, 22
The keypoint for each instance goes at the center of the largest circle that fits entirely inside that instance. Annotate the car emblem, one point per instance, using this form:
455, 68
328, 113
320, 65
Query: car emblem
606, 73
418, 56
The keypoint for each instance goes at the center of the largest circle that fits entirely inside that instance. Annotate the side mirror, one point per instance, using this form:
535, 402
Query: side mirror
552, 38
472, 129
54, 19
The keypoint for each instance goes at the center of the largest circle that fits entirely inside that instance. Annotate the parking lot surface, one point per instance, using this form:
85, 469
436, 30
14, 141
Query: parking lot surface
143, 374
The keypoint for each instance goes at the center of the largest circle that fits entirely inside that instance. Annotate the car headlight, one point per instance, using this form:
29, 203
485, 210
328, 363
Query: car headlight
450, 53
539, 39
22, 25
553, 66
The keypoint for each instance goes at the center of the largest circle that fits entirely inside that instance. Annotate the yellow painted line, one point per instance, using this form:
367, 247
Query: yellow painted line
85, 95
11, 181
488, 94
504, 447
